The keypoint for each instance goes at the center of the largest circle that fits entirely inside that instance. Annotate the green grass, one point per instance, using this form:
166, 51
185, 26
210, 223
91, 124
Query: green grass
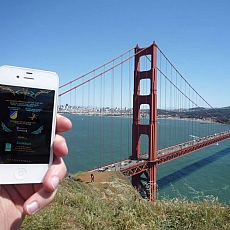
116, 205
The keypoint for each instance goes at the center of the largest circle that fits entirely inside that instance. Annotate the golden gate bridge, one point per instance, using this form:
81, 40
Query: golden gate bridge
121, 111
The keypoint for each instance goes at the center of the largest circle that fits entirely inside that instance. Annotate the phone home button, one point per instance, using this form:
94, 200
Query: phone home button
20, 173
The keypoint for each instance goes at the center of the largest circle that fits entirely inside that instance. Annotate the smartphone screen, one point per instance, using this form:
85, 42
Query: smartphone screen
26, 116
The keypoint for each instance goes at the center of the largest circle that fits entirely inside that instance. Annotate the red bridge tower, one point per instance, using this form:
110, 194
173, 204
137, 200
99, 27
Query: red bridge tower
150, 129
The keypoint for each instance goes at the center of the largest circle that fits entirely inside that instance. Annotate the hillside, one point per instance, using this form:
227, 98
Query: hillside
112, 203
220, 115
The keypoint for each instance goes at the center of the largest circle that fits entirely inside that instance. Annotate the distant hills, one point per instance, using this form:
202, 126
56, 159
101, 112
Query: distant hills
220, 115
228, 107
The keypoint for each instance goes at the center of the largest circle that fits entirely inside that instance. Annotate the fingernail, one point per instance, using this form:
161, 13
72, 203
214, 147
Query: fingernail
55, 182
32, 208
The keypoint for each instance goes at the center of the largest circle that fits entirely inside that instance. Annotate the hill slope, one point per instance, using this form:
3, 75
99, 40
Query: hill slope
112, 203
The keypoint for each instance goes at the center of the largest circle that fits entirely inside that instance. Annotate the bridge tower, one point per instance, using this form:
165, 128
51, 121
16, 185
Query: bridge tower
150, 129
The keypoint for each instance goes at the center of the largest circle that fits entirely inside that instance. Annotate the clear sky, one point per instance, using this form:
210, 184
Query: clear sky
72, 37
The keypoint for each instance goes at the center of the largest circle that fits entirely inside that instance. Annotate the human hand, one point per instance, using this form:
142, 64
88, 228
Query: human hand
19, 200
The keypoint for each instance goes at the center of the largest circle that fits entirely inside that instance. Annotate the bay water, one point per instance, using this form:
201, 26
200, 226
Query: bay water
95, 141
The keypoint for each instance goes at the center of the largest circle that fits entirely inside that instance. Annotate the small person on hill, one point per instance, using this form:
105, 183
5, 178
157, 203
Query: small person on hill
92, 178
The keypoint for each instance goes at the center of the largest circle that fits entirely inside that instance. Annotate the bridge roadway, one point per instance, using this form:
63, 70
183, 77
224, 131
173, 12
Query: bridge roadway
131, 167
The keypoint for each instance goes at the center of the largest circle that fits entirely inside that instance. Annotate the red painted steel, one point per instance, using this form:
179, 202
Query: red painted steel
151, 129
190, 149
135, 169
143, 166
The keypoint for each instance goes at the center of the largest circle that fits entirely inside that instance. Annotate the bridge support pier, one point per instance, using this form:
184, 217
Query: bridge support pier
152, 173
148, 129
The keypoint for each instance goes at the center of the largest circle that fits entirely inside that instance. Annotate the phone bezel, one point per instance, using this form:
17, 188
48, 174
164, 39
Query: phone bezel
25, 77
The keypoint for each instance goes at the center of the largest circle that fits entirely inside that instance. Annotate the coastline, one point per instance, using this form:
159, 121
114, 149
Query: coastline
202, 121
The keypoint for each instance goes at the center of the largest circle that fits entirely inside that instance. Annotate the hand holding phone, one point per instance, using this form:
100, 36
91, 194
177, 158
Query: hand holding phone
18, 200
28, 101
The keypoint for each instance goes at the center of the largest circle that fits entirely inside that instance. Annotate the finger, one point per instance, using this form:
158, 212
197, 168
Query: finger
60, 148
63, 124
46, 193
38, 201
54, 175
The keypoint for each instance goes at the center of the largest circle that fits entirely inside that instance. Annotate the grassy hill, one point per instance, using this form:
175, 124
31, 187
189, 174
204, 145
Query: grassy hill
112, 203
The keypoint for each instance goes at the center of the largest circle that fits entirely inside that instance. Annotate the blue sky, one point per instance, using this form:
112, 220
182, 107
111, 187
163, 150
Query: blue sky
72, 37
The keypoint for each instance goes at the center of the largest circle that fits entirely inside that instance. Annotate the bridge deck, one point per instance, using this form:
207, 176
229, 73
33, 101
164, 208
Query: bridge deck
132, 167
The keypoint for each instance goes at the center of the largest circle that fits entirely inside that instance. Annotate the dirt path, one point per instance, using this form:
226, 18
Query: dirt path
98, 176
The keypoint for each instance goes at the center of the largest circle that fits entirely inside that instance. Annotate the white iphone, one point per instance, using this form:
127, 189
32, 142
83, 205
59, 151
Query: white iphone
28, 106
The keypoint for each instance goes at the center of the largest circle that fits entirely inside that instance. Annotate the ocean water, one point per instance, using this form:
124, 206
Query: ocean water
97, 141
201, 174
